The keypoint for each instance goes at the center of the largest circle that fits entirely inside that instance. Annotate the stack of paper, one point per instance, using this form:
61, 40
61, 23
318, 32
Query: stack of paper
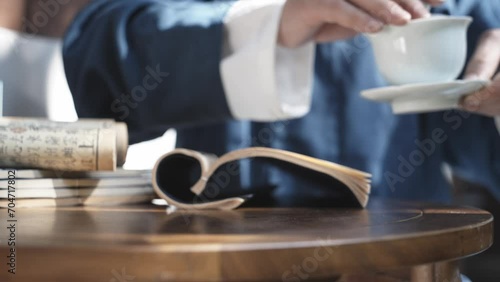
39, 188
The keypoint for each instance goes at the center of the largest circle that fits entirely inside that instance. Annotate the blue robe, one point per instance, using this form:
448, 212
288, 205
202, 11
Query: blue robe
155, 65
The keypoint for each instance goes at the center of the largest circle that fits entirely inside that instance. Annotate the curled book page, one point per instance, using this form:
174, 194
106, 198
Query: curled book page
189, 179
85, 145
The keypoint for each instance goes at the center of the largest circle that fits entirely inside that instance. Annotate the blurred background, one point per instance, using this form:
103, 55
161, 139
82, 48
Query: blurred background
32, 70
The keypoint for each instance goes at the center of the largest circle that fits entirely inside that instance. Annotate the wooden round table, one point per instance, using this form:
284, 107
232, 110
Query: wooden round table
388, 241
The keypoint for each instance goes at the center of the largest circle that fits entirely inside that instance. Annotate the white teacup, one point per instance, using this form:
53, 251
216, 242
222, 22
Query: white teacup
428, 50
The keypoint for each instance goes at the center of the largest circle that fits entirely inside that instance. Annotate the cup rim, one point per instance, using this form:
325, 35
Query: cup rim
433, 18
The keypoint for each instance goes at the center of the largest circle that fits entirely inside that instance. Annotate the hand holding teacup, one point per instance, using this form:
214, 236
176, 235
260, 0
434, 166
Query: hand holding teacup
484, 65
433, 52
329, 20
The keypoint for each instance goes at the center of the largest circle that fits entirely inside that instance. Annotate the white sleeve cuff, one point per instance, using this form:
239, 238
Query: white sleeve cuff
497, 121
262, 81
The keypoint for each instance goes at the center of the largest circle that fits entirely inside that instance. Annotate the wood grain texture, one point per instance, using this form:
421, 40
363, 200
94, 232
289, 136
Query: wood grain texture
94, 244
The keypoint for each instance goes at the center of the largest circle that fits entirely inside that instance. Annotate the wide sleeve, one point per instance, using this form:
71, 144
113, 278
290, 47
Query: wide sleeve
151, 63
264, 81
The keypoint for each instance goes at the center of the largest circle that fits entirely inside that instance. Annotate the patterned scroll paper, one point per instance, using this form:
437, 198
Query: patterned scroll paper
85, 145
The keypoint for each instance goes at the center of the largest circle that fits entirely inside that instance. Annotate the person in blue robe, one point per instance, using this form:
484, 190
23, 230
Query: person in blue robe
113, 45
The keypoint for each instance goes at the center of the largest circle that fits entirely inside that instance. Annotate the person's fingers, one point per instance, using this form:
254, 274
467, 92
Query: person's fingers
416, 8
347, 15
486, 101
332, 32
486, 59
434, 2
302, 19
387, 11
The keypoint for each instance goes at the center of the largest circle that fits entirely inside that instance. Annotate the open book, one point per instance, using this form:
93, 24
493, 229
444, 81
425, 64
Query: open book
181, 167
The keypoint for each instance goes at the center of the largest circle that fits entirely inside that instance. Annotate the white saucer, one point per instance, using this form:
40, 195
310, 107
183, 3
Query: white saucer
424, 97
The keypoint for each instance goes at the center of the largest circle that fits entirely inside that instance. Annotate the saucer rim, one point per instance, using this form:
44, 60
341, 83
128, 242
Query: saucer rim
439, 17
369, 93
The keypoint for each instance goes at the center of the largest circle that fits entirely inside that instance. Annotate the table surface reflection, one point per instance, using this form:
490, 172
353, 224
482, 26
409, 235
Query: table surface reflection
146, 242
